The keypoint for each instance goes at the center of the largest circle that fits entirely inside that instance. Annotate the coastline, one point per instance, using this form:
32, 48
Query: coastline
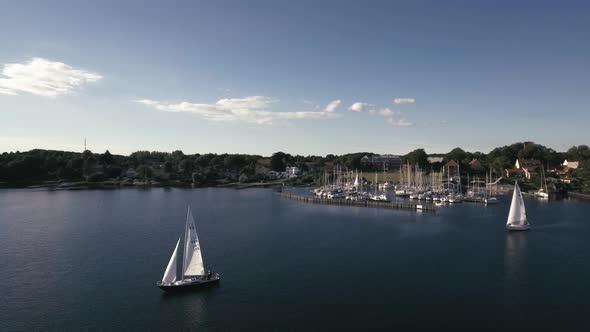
112, 185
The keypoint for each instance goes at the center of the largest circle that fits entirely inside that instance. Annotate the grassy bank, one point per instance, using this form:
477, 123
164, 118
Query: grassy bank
382, 177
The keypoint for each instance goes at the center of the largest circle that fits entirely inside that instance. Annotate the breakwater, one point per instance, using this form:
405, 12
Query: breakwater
365, 203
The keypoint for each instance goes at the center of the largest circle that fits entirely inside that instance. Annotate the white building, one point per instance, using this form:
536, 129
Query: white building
292, 171
571, 164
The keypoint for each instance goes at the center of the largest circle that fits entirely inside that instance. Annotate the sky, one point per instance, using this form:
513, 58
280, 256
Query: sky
303, 77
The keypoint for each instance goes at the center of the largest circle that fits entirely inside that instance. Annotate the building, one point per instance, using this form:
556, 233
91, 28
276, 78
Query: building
475, 165
567, 165
524, 167
433, 160
385, 163
292, 171
451, 169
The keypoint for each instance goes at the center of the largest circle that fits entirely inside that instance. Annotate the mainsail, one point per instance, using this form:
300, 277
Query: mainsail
192, 264
170, 273
517, 215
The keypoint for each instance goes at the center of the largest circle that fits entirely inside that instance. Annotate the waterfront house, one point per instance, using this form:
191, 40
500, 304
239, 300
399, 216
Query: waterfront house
436, 163
524, 167
475, 165
292, 171
451, 168
434, 160
568, 165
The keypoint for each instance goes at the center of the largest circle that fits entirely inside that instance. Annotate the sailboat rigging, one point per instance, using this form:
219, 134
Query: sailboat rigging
193, 267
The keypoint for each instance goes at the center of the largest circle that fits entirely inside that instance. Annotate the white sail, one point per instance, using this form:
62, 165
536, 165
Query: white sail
517, 214
192, 264
170, 273
356, 181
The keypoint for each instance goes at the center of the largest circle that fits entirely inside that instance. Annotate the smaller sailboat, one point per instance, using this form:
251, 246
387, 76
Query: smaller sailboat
517, 220
193, 274
543, 192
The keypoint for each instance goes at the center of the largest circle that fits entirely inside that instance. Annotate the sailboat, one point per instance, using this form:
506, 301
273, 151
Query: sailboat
517, 220
489, 199
192, 274
543, 191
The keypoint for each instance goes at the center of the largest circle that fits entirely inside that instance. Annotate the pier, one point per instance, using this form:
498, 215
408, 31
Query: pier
364, 203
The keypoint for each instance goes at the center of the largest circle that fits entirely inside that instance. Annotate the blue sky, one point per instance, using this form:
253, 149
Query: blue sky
304, 77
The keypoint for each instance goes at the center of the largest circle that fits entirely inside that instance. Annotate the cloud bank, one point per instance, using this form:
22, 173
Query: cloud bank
42, 77
251, 109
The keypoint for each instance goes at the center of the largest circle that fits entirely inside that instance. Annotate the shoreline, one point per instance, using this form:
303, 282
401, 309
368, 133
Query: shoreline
113, 185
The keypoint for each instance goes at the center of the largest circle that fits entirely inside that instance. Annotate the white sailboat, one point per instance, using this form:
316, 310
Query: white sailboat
543, 192
193, 267
517, 220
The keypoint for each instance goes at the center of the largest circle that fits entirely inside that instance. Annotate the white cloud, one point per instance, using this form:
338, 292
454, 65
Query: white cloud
404, 100
43, 77
399, 122
359, 106
331, 107
386, 112
252, 109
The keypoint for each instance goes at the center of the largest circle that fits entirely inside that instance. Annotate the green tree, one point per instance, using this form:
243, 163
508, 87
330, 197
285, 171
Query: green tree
278, 161
457, 154
144, 172
106, 158
417, 157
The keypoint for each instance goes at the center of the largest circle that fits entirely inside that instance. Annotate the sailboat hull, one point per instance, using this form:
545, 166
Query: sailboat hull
189, 285
517, 227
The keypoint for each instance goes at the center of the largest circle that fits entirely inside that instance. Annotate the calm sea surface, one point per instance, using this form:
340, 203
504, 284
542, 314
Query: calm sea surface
90, 259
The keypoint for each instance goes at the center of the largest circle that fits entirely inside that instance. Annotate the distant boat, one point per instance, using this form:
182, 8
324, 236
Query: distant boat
543, 192
490, 200
193, 274
517, 220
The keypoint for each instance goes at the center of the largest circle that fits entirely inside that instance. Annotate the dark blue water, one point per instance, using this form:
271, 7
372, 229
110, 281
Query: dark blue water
90, 259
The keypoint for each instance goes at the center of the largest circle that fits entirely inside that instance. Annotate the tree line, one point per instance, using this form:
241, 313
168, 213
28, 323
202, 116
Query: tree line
210, 169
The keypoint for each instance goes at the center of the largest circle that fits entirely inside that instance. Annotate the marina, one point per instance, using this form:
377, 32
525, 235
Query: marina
358, 203
433, 189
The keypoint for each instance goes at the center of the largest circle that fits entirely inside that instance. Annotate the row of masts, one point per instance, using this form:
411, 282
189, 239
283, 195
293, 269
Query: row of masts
414, 183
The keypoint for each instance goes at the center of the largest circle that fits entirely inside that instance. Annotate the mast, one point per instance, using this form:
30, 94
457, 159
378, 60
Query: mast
375, 183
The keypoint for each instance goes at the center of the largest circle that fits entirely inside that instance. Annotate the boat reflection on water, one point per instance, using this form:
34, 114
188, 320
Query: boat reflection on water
187, 309
515, 271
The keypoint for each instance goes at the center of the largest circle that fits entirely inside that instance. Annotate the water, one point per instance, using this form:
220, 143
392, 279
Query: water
90, 259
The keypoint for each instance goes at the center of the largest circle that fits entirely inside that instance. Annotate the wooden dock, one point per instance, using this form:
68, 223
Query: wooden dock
365, 203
